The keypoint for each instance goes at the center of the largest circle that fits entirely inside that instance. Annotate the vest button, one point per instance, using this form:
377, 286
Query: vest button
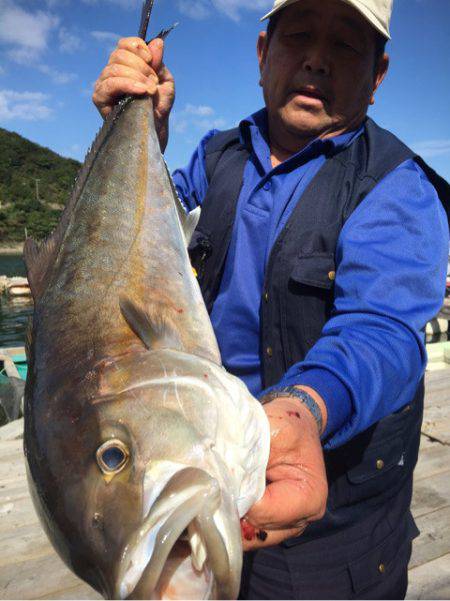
382, 568
269, 351
332, 275
266, 297
267, 186
380, 464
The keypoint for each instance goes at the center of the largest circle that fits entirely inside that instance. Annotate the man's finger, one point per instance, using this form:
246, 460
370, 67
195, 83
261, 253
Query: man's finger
124, 57
115, 70
156, 48
287, 502
261, 538
136, 46
114, 87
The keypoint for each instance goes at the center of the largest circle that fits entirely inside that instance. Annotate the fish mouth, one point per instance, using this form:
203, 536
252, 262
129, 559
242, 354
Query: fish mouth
179, 552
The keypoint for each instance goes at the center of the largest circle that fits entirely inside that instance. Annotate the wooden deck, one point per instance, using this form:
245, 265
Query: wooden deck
30, 569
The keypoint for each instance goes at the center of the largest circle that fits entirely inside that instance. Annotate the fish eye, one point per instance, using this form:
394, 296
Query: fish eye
112, 457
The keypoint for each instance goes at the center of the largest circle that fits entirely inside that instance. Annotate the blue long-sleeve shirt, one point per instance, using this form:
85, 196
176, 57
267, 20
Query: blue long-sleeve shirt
391, 261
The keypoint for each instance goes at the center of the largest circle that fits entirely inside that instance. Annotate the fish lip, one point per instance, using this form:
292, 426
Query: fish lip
159, 519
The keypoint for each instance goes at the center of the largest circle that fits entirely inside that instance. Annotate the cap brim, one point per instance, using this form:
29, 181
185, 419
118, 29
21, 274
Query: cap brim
276, 9
364, 11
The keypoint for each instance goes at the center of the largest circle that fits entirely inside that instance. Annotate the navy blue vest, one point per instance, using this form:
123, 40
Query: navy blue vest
376, 466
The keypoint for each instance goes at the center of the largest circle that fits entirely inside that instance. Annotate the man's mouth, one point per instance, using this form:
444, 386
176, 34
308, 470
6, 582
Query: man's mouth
311, 92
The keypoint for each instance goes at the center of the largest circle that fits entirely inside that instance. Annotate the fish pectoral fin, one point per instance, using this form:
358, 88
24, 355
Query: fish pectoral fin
190, 224
153, 327
188, 221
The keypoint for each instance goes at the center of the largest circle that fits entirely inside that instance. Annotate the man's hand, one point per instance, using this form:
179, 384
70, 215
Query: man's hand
297, 489
137, 69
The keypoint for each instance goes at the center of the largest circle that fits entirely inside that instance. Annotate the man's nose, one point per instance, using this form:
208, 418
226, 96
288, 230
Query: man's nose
316, 62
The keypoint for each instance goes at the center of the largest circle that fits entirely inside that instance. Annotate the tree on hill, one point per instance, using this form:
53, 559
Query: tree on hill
35, 183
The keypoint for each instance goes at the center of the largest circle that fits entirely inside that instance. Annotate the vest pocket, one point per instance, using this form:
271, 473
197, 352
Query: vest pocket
378, 461
308, 302
382, 468
380, 563
317, 270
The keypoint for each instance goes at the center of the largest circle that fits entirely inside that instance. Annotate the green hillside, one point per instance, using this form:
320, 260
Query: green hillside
34, 185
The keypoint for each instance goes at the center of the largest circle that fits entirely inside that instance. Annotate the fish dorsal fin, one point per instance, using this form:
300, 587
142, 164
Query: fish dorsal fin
40, 257
152, 325
37, 260
188, 221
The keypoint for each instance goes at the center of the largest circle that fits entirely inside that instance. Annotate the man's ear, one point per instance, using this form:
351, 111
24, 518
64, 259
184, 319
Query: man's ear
261, 49
380, 74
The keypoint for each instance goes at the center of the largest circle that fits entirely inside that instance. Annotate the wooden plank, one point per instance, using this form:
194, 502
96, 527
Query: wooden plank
24, 543
12, 431
430, 580
16, 513
437, 425
82, 591
431, 494
40, 578
434, 458
434, 539
432, 378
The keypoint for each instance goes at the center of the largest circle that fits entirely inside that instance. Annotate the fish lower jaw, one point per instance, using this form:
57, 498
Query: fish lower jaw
185, 574
158, 562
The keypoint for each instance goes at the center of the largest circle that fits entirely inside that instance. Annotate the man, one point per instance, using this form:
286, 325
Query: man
321, 253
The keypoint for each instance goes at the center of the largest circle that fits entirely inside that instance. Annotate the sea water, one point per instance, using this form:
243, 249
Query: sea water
14, 312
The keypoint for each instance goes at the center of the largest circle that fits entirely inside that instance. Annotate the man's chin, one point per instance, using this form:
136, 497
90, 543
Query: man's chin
305, 123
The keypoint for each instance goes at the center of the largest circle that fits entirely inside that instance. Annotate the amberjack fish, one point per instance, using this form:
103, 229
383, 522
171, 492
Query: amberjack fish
142, 451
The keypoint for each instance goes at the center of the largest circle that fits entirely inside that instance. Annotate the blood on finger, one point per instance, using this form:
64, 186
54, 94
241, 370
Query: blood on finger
248, 531
294, 414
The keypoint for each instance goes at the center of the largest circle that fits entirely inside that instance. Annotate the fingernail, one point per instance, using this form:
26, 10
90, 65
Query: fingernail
139, 86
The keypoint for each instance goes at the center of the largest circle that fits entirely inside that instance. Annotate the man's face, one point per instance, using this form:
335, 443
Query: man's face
318, 71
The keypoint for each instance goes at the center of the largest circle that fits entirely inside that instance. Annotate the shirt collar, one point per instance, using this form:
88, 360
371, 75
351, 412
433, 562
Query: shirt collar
254, 135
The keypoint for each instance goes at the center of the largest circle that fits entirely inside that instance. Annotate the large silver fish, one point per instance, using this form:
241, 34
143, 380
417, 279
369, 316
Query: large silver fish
142, 451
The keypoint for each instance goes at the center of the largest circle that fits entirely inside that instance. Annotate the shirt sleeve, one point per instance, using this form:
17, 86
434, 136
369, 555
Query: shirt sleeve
391, 262
191, 182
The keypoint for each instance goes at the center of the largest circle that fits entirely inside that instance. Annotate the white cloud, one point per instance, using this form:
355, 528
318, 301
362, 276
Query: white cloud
108, 39
68, 42
105, 36
25, 33
58, 77
195, 9
233, 8
201, 9
432, 148
201, 118
29, 106
199, 110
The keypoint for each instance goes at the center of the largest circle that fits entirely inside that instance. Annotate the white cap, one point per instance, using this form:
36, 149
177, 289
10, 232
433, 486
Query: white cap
376, 12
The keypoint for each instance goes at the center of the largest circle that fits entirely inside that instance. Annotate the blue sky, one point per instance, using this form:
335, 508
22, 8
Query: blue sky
51, 52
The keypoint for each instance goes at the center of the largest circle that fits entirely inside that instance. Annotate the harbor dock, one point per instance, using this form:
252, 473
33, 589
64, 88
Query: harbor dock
30, 568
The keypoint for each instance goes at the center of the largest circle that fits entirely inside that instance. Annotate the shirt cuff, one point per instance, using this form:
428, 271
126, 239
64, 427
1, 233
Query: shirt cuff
334, 393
